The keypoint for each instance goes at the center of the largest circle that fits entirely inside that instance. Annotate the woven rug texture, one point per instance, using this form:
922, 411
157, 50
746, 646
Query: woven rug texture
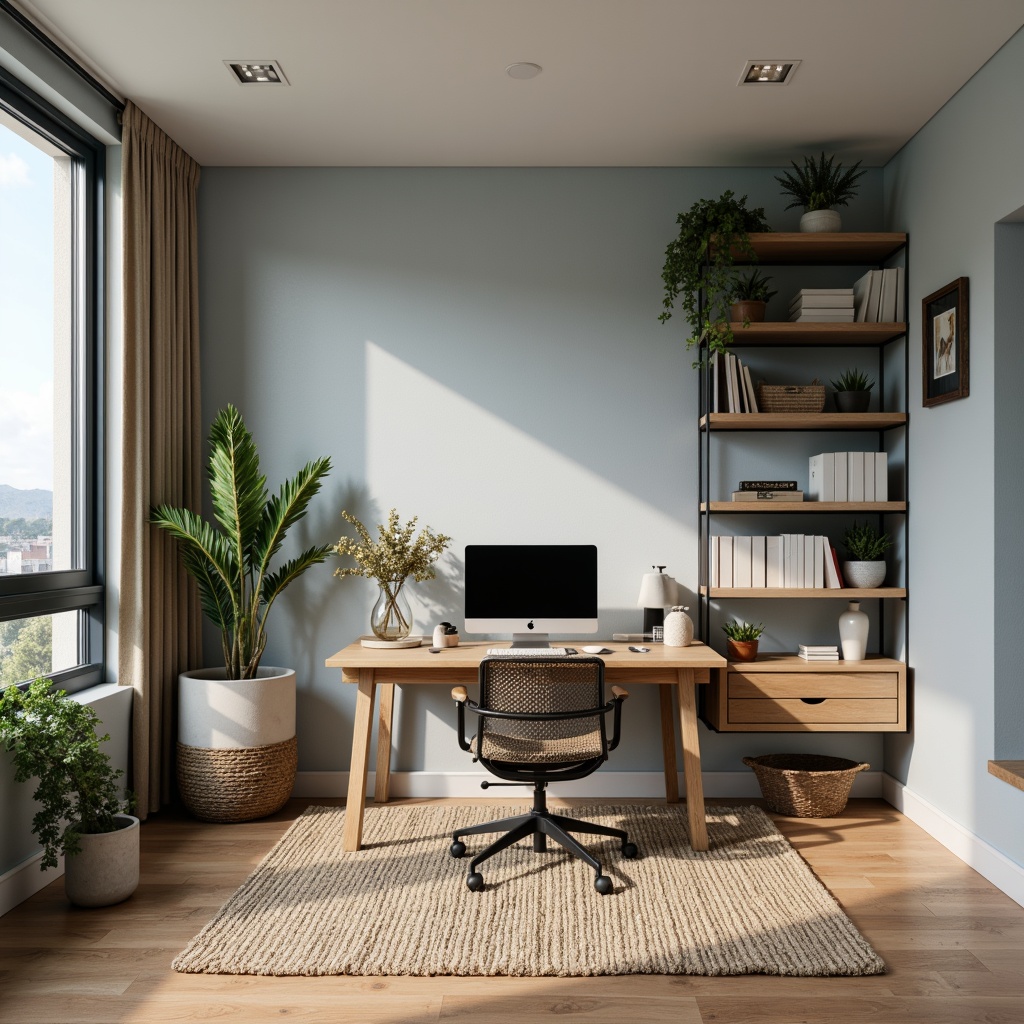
400, 905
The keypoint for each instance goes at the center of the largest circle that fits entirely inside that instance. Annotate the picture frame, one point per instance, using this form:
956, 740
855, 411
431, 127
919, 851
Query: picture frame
945, 351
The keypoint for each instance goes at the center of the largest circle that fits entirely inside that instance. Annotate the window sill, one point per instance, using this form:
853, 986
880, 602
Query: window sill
1009, 771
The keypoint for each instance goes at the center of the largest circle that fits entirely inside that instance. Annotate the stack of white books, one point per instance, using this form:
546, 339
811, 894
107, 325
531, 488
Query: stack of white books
822, 652
879, 296
848, 476
822, 305
790, 560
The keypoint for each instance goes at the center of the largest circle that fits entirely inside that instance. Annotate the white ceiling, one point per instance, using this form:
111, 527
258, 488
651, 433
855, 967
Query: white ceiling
625, 82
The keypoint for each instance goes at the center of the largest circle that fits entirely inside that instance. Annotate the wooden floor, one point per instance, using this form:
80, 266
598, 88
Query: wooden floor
954, 945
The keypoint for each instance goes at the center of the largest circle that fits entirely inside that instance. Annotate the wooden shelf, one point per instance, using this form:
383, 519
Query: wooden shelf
826, 247
778, 333
762, 507
1009, 771
815, 593
803, 420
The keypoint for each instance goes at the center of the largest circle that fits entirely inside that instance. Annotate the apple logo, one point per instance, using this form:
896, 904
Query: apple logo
529, 625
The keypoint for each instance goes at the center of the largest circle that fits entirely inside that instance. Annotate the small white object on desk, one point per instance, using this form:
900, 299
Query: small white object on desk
678, 627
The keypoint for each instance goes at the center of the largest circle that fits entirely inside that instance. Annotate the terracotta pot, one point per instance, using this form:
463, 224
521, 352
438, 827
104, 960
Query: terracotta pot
748, 309
741, 650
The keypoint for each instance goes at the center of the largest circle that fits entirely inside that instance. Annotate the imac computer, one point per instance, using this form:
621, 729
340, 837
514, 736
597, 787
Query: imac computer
531, 590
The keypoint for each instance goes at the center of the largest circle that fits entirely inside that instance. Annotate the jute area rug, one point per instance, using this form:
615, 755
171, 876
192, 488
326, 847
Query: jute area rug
401, 905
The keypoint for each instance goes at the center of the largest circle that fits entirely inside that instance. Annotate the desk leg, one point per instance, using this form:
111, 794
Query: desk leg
362, 729
691, 760
385, 716
668, 744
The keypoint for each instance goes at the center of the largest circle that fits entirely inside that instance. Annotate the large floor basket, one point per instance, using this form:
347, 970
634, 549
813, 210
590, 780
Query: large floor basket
805, 785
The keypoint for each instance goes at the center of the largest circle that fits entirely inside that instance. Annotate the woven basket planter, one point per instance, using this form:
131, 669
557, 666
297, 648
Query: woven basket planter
805, 785
237, 784
791, 397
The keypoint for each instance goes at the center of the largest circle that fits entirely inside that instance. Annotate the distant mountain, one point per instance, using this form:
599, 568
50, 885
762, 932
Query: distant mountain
18, 504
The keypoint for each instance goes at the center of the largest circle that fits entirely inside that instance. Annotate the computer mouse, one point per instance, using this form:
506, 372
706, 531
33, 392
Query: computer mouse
596, 650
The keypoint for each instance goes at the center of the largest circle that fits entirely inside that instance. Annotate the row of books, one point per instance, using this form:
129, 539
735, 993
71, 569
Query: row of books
879, 296
795, 560
848, 476
822, 305
732, 388
818, 652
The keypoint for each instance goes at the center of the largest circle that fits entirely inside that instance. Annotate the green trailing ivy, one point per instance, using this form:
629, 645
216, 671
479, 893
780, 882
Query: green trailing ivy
699, 262
53, 738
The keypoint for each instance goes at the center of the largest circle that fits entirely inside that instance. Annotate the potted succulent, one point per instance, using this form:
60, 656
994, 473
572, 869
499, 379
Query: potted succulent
742, 640
82, 814
236, 724
819, 187
749, 296
853, 391
865, 549
698, 265
390, 560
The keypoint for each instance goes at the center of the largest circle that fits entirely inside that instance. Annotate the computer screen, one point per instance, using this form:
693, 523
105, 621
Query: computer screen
531, 590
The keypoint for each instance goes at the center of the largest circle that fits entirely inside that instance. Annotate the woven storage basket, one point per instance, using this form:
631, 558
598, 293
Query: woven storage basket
791, 397
237, 784
805, 785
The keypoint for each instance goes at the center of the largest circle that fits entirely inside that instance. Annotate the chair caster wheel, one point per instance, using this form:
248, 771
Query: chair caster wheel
629, 851
603, 884
475, 881
457, 849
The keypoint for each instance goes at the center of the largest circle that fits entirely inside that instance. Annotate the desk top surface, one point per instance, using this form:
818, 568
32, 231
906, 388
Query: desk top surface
468, 654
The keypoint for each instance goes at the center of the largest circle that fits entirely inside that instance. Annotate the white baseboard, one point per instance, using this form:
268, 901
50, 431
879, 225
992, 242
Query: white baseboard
970, 848
26, 880
613, 785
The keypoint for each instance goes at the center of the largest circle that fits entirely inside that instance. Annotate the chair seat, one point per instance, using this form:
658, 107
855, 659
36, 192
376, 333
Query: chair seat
499, 746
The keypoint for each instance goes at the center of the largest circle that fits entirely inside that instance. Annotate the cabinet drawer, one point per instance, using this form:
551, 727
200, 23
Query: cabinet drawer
858, 685
831, 711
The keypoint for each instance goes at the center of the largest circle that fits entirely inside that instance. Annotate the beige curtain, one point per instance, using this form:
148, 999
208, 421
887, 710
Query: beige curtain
160, 629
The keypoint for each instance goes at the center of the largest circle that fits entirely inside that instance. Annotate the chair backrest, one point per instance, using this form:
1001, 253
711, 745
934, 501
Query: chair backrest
539, 686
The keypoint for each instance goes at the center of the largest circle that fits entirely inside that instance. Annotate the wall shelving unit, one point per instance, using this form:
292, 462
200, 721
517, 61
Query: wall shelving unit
782, 692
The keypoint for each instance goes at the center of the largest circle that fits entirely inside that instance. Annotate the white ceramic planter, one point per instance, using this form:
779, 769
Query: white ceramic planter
237, 753
821, 220
106, 870
864, 574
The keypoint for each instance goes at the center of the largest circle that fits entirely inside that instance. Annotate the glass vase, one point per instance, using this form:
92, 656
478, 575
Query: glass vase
391, 617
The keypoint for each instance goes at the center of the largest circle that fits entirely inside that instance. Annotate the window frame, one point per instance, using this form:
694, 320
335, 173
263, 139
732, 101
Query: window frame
82, 589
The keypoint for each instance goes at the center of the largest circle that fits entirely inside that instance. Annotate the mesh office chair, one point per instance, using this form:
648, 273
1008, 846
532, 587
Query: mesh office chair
541, 719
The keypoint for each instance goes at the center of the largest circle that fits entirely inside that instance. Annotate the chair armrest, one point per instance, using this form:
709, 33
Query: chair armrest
461, 698
459, 693
619, 693
618, 696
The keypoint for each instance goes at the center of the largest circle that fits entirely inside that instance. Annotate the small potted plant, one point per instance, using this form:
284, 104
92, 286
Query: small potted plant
865, 547
390, 561
741, 640
853, 391
749, 296
81, 814
819, 187
698, 265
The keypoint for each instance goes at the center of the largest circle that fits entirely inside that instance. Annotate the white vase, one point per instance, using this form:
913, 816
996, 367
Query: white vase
105, 871
678, 628
853, 633
821, 220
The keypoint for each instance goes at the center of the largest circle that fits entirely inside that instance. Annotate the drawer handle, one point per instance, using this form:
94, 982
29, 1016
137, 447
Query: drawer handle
813, 700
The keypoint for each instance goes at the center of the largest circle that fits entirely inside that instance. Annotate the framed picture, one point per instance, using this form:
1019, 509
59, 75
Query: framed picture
944, 358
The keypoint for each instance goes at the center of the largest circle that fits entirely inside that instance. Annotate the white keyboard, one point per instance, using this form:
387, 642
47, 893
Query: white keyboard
527, 652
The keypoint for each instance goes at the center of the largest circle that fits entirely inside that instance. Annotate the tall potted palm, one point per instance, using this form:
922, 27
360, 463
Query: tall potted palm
237, 752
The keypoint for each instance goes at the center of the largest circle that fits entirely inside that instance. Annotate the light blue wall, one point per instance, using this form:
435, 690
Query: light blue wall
438, 333
949, 187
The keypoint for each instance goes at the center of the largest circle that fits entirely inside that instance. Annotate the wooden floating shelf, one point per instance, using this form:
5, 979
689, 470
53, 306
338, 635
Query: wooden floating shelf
817, 593
803, 420
761, 507
832, 247
779, 333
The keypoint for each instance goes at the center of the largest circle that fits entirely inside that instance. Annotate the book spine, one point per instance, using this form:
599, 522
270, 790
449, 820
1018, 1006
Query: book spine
768, 485
741, 562
881, 476
842, 463
758, 565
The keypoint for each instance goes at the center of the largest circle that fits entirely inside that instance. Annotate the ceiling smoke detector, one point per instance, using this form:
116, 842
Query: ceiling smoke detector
256, 72
523, 69
768, 72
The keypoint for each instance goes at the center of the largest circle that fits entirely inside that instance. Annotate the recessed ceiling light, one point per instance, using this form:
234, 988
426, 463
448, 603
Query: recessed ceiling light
256, 72
523, 70
768, 72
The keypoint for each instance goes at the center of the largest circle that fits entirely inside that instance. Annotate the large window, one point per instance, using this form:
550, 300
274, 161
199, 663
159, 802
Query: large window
51, 598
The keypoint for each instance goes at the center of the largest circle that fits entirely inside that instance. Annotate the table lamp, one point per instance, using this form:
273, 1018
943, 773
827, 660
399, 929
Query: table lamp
656, 591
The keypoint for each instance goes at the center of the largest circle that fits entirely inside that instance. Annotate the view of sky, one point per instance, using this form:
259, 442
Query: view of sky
26, 313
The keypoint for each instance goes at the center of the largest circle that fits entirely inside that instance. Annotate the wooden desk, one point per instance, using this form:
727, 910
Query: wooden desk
679, 668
